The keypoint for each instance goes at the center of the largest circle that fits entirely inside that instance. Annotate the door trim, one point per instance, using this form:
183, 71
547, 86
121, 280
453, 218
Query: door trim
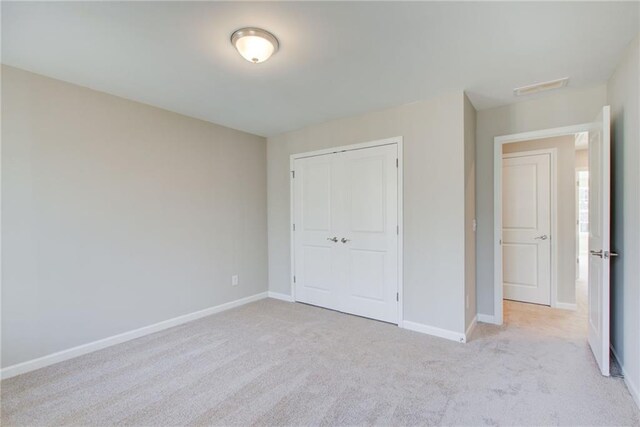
398, 141
498, 141
577, 214
553, 208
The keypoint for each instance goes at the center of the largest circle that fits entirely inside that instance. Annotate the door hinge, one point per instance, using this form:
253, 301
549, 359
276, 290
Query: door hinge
398, 230
294, 227
293, 174
397, 162
294, 279
397, 296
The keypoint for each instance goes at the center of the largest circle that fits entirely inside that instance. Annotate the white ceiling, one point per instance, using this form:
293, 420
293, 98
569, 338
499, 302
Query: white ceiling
336, 58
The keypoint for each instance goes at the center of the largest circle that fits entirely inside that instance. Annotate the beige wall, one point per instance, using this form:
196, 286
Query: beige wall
469, 210
566, 209
434, 199
118, 215
623, 93
565, 108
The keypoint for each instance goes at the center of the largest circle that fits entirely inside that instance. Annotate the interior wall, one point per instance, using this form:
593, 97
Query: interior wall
117, 215
566, 208
623, 94
469, 211
565, 108
434, 213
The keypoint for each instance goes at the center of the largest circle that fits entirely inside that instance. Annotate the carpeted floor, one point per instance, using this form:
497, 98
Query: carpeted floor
279, 363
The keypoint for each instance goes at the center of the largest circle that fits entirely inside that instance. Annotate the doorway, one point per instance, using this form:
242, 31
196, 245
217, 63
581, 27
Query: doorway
539, 231
564, 237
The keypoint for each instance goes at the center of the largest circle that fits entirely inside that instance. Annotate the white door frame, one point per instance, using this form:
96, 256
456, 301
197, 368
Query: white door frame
498, 142
577, 209
398, 141
553, 208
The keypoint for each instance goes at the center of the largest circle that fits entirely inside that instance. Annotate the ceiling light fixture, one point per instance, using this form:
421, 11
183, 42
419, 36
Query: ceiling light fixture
255, 44
540, 87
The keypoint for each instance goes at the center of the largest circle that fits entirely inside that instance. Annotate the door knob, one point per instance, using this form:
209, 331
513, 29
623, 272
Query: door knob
332, 239
543, 237
608, 254
596, 253
343, 240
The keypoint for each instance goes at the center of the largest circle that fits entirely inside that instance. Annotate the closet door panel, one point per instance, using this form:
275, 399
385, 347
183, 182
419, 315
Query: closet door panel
315, 247
368, 227
345, 238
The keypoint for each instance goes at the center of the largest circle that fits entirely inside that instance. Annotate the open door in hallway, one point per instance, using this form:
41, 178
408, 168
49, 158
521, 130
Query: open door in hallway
599, 238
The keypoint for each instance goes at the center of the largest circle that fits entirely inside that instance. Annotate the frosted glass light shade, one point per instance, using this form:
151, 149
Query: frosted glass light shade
254, 44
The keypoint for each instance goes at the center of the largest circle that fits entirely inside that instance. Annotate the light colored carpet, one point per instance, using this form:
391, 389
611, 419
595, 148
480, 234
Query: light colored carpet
278, 363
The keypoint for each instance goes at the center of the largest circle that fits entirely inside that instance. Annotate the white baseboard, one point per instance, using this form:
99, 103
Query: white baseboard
432, 330
634, 390
566, 306
278, 295
41, 362
486, 318
470, 329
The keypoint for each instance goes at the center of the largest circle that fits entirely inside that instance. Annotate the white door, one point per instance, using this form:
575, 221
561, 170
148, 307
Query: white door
599, 243
345, 239
368, 231
316, 211
526, 227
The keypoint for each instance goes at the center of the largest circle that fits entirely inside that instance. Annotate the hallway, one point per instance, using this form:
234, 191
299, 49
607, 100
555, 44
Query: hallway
549, 321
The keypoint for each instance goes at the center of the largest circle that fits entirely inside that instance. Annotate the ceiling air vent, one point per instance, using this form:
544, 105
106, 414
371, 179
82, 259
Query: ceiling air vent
541, 87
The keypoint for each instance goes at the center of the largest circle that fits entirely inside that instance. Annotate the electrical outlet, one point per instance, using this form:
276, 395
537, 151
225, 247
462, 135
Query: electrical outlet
234, 280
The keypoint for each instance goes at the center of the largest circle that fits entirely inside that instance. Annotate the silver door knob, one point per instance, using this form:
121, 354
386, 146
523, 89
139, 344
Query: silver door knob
343, 240
332, 239
543, 237
596, 253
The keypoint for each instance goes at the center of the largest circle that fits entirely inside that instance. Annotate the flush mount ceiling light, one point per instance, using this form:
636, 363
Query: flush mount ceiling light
254, 44
540, 87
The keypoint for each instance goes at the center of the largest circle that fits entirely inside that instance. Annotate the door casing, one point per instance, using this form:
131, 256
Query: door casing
498, 141
577, 213
398, 141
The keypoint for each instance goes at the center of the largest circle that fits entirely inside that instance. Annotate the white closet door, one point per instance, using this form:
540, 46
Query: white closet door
345, 238
368, 227
315, 212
